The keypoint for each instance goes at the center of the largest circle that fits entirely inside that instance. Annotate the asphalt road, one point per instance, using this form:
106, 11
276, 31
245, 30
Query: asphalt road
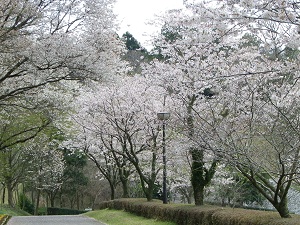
53, 220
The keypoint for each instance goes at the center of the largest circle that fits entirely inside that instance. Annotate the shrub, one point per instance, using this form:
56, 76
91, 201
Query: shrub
63, 211
199, 215
25, 204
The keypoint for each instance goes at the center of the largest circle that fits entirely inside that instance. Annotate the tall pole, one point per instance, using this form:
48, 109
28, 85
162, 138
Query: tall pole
165, 198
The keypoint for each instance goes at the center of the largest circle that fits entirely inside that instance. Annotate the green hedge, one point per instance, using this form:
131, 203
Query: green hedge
63, 211
199, 215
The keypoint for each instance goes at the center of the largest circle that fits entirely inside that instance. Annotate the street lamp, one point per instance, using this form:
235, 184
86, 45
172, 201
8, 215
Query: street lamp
164, 116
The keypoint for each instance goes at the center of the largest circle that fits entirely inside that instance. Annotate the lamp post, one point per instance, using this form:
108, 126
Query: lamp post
164, 116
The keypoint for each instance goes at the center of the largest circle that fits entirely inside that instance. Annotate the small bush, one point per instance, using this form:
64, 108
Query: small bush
25, 204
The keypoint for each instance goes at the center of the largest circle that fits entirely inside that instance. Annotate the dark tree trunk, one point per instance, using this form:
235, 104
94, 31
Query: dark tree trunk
149, 192
282, 208
9, 193
3, 195
197, 180
201, 176
38, 194
125, 188
112, 191
60, 199
77, 200
199, 194
52, 200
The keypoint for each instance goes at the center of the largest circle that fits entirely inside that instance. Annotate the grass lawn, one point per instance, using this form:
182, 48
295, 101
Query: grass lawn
118, 217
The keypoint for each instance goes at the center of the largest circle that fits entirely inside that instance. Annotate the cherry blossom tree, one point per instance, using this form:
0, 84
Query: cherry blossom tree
214, 71
48, 41
45, 47
46, 166
193, 45
123, 118
108, 164
262, 137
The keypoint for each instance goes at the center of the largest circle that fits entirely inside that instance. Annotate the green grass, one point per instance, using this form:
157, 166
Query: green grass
118, 217
4, 209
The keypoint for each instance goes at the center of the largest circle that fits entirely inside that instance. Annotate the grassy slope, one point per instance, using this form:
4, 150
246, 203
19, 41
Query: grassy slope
118, 217
12, 211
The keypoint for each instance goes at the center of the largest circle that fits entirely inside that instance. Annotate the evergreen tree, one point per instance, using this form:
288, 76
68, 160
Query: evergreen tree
131, 43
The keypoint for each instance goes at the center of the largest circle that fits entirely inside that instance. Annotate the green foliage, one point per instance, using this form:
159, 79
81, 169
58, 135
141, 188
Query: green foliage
237, 192
74, 177
291, 53
249, 40
73, 173
171, 34
249, 193
25, 204
131, 43
20, 125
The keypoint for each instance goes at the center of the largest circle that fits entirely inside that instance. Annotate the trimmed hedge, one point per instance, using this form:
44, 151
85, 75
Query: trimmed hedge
199, 215
63, 211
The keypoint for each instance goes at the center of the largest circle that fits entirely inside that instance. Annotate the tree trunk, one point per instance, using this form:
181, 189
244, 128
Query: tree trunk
60, 199
36, 210
282, 208
112, 191
190, 196
52, 199
3, 195
72, 203
9, 193
197, 180
199, 194
149, 193
201, 176
125, 188
77, 200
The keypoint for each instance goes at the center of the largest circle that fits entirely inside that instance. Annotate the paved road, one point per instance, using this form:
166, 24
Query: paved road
53, 220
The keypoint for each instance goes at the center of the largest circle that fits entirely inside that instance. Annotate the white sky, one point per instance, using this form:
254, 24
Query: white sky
134, 14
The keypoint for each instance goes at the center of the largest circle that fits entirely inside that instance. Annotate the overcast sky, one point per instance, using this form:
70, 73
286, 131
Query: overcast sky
134, 14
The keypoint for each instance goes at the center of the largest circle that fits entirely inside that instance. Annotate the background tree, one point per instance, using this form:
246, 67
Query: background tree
124, 120
74, 177
46, 167
135, 54
12, 172
131, 43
